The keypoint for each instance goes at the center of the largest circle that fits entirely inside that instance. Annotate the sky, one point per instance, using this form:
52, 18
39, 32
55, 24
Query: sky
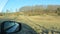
12, 5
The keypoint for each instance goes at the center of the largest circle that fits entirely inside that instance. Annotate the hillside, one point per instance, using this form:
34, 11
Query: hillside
41, 19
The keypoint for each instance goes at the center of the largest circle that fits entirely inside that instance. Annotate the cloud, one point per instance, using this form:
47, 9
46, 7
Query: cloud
2, 4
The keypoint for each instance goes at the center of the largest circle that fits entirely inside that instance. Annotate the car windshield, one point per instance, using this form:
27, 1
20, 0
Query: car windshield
44, 14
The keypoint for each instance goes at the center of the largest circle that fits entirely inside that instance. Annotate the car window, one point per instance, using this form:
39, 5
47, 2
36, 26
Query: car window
40, 15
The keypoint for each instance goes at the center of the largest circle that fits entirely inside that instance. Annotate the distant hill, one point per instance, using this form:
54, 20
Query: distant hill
36, 10
40, 10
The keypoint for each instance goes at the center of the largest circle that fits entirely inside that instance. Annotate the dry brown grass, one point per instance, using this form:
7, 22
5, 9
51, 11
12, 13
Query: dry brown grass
46, 21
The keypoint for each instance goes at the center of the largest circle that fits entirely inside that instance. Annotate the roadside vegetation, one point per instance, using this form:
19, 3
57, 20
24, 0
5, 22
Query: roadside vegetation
41, 18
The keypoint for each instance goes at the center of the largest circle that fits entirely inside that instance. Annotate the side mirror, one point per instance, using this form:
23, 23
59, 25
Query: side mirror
10, 27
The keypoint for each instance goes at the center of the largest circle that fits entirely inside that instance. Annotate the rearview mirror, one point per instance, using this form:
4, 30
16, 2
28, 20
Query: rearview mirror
10, 27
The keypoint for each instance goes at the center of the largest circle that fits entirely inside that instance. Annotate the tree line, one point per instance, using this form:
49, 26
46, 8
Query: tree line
36, 10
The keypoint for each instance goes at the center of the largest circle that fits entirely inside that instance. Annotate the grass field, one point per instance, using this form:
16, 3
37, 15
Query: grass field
37, 22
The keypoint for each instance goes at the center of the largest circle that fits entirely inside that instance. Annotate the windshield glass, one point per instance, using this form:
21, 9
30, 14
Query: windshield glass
44, 14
